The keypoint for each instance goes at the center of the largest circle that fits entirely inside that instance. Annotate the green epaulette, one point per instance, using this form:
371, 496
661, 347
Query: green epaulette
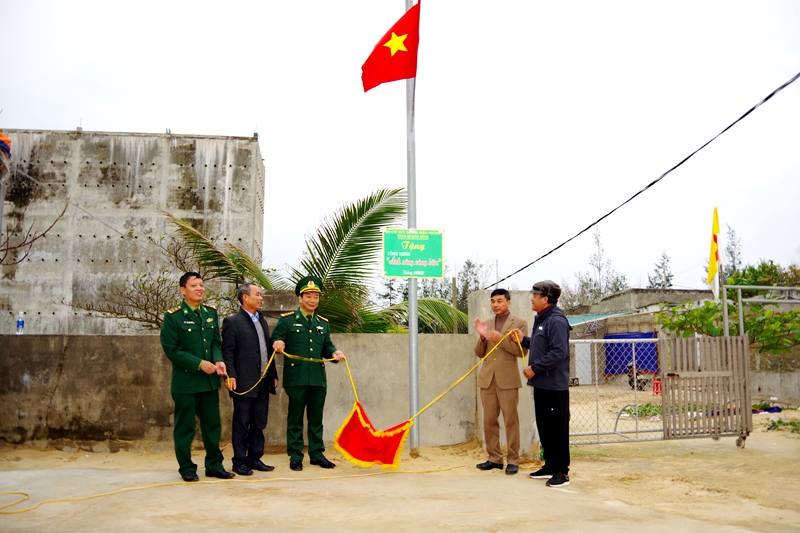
174, 310
290, 313
322, 318
210, 307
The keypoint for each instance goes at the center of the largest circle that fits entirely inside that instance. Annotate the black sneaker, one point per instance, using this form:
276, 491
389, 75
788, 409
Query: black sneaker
558, 480
542, 473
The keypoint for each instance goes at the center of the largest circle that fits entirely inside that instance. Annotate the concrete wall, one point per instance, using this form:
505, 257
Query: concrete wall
633, 323
776, 375
115, 389
782, 385
647, 298
117, 183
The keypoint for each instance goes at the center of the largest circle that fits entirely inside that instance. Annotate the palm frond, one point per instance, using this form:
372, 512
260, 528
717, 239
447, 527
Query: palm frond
374, 320
248, 268
341, 306
345, 249
210, 257
435, 314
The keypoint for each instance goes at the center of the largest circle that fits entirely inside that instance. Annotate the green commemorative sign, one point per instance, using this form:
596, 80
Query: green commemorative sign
412, 253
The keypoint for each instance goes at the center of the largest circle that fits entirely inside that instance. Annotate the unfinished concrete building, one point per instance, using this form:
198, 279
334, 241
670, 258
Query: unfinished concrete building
115, 187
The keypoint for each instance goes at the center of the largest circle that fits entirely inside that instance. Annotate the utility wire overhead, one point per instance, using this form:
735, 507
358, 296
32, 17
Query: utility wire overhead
590, 226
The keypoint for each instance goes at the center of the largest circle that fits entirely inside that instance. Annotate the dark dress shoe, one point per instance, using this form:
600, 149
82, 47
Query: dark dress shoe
488, 465
261, 467
296, 465
190, 476
221, 474
324, 463
243, 470
512, 469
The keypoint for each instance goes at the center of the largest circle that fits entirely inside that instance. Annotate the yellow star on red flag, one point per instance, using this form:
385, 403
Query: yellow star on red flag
402, 37
396, 43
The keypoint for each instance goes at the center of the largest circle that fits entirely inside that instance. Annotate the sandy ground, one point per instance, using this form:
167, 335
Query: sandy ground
688, 485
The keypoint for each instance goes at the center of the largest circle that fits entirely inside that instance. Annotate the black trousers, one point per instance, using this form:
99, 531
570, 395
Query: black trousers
552, 421
249, 421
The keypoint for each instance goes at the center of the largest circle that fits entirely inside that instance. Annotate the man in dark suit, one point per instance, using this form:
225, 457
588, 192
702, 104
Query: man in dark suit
190, 338
245, 341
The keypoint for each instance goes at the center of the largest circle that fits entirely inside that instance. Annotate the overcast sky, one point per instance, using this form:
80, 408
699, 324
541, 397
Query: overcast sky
533, 118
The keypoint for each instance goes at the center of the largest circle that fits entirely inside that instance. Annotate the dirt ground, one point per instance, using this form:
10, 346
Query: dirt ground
685, 485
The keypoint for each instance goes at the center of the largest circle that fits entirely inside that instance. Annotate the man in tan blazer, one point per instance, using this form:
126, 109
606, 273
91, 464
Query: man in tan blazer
499, 381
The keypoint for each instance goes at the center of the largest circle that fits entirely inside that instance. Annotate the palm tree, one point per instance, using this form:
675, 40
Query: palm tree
233, 265
345, 254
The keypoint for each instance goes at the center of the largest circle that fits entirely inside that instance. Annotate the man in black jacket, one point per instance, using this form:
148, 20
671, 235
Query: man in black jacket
548, 374
245, 342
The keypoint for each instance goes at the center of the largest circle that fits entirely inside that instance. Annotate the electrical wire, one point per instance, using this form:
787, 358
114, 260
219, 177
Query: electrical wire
593, 224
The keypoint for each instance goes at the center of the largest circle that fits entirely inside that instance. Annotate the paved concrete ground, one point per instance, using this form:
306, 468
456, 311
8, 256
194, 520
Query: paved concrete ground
462, 499
694, 485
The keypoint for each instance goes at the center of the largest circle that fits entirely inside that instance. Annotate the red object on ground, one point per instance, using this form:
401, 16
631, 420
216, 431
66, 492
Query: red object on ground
361, 444
656, 387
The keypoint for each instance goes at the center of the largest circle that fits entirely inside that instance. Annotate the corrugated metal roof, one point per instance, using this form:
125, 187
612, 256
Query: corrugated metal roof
582, 319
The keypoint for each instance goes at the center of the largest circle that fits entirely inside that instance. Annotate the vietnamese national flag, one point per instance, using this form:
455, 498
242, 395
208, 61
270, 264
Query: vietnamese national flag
395, 56
361, 444
713, 261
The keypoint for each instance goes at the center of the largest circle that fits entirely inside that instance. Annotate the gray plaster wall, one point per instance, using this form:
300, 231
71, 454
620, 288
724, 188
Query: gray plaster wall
785, 386
115, 389
646, 298
115, 186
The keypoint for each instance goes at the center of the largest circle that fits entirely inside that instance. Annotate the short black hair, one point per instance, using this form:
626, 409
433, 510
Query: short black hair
499, 292
189, 275
243, 289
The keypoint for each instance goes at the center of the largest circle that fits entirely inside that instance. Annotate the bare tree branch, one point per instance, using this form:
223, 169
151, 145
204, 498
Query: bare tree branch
29, 237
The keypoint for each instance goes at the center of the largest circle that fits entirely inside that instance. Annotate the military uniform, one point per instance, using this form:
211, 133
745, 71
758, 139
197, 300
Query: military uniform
188, 337
305, 382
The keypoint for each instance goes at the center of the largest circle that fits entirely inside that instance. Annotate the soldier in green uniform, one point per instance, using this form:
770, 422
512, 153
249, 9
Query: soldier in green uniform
306, 334
190, 338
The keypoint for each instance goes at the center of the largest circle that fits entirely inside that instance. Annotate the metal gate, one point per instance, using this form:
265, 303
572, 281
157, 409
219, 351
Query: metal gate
611, 391
705, 387
651, 389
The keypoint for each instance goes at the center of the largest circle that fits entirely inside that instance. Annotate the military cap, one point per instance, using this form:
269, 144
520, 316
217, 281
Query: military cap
547, 288
308, 283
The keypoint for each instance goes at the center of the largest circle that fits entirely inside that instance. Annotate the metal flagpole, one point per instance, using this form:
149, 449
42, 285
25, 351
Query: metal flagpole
413, 312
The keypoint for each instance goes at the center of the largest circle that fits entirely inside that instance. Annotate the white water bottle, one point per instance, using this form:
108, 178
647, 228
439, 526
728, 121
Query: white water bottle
20, 323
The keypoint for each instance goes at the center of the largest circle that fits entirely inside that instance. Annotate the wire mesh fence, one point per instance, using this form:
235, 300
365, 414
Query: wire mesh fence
614, 395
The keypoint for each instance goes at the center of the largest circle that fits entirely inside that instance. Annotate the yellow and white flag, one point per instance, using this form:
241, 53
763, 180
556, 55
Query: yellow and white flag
713, 262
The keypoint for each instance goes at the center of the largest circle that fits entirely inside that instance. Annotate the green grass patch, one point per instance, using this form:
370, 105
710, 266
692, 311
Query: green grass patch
792, 426
644, 410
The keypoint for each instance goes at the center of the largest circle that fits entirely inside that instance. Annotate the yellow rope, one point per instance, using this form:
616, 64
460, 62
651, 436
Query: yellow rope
448, 389
228, 378
471, 370
309, 359
183, 483
290, 356
26, 496
353, 383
